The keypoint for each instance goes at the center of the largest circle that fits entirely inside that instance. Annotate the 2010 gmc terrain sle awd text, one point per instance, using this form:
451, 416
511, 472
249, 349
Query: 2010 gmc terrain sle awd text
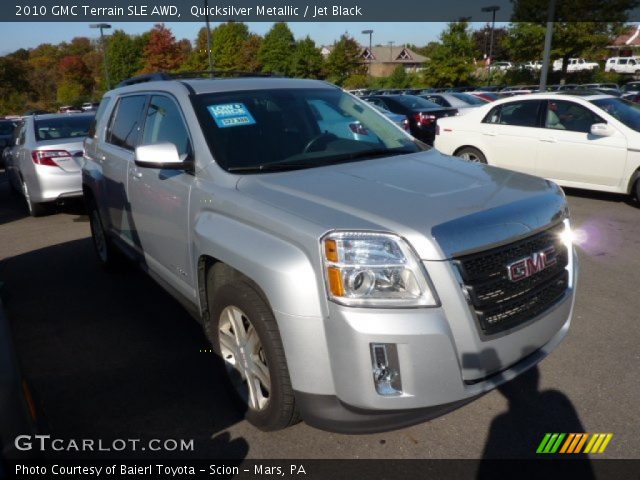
345, 273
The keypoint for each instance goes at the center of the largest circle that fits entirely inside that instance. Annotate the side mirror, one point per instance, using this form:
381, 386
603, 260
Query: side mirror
160, 155
602, 130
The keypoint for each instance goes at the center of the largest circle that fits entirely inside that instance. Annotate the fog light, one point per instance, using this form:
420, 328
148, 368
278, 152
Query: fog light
386, 369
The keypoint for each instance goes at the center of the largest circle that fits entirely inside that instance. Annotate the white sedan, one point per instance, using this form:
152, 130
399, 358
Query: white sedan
577, 140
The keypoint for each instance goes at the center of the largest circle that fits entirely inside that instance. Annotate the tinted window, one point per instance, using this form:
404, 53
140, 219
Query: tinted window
103, 106
439, 100
562, 115
124, 126
68, 126
164, 124
522, 114
622, 110
469, 99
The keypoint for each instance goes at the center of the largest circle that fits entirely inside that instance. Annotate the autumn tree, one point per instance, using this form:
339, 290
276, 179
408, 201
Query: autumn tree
249, 54
307, 61
345, 60
275, 51
76, 82
162, 52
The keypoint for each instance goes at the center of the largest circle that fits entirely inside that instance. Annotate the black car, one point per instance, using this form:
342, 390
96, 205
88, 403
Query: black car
422, 114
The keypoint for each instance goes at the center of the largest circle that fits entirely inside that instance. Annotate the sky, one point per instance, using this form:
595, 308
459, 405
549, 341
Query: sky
29, 35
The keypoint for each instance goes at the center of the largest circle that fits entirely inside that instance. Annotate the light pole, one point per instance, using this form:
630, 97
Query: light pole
206, 21
493, 9
546, 56
370, 33
391, 50
102, 27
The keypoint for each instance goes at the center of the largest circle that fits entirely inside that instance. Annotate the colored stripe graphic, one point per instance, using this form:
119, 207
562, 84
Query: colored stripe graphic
574, 443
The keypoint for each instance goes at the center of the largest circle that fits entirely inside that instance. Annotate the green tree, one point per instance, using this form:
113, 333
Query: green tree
307, 61
345, 60
452, 62
125, 56
227, 41
77, 82
398, 78
276, 48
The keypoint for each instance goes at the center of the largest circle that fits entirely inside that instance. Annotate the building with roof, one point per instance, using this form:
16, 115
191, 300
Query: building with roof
627, 44
385, 59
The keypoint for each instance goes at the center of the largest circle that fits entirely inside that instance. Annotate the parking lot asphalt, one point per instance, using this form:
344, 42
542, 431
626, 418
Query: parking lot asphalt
113, 356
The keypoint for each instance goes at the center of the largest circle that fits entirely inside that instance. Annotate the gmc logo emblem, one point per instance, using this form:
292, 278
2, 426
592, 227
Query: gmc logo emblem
536, 262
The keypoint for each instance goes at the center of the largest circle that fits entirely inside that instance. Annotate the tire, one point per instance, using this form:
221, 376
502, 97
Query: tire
471, 154
636, 191
33, 208
245, 336
109, 258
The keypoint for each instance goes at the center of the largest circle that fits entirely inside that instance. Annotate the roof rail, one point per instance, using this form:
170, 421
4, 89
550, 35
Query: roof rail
159, 76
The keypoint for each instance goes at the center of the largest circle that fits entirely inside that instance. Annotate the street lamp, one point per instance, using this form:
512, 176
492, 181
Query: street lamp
102, 27
492, 9
206, 21
546, 54
370, 33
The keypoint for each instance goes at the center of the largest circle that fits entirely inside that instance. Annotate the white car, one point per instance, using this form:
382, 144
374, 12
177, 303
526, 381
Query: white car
533, 65
623, 65
582, 141
502, 66
575, 65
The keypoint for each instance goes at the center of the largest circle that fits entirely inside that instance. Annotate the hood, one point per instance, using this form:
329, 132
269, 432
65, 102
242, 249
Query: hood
443, 205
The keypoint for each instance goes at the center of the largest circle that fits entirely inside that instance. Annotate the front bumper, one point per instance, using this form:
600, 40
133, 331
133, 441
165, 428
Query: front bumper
443, 360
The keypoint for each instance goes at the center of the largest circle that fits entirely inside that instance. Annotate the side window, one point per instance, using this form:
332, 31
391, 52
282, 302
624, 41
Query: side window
622, 61
124, 125
439, 100
521, 114
164, 124
378, 102
101, 109
563, 115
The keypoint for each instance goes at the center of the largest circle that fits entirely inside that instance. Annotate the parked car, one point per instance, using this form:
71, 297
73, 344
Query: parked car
461, 101
612, 88
401, 120
360, 286
90, 106
630, 87
502, 66
518, 90
44, 164
575, 65
580, 140
533, 65
488, 96
422, 114
563, 87
623, 65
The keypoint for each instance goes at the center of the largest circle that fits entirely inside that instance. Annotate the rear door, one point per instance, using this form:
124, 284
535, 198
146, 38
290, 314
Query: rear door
510, 132
570, 154
160, 197
115, 154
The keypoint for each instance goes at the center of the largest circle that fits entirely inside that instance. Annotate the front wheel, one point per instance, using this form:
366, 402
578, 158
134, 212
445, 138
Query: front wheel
244, 334
471, 154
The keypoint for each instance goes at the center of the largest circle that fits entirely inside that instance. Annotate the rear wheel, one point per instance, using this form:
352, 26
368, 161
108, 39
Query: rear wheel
636, 191
35, 209
245, 336
108, 256
471, 154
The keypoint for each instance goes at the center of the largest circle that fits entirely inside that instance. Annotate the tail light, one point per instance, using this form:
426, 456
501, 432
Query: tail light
48, 157
424, 118
405, 124
358, 129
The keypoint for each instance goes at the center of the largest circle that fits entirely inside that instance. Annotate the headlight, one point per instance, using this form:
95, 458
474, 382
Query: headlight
374, 270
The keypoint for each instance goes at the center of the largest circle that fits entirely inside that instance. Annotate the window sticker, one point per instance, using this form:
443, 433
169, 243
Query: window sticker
231, 115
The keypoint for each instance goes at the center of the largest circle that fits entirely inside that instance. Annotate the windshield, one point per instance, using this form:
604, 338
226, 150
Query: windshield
469, 99
62, 127
622, 110
415, 103
268, 130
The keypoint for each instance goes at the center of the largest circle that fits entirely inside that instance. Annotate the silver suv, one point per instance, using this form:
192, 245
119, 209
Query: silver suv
344, 272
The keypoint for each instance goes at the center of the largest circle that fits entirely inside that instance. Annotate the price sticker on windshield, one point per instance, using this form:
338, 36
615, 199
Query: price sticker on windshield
231, 115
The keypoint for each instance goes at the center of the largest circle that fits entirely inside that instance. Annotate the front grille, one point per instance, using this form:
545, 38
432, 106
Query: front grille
501, 303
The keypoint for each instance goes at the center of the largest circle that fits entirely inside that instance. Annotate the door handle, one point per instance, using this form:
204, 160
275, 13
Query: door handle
548, 139
490, 134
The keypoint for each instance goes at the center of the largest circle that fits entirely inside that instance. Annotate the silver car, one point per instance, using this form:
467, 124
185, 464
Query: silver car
44, 162
360, 284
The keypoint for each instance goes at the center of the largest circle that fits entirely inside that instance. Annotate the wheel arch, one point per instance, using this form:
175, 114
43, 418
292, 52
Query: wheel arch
459, 149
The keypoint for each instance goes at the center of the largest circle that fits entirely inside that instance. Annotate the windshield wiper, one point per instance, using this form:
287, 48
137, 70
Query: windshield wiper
375, 153
269, 167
